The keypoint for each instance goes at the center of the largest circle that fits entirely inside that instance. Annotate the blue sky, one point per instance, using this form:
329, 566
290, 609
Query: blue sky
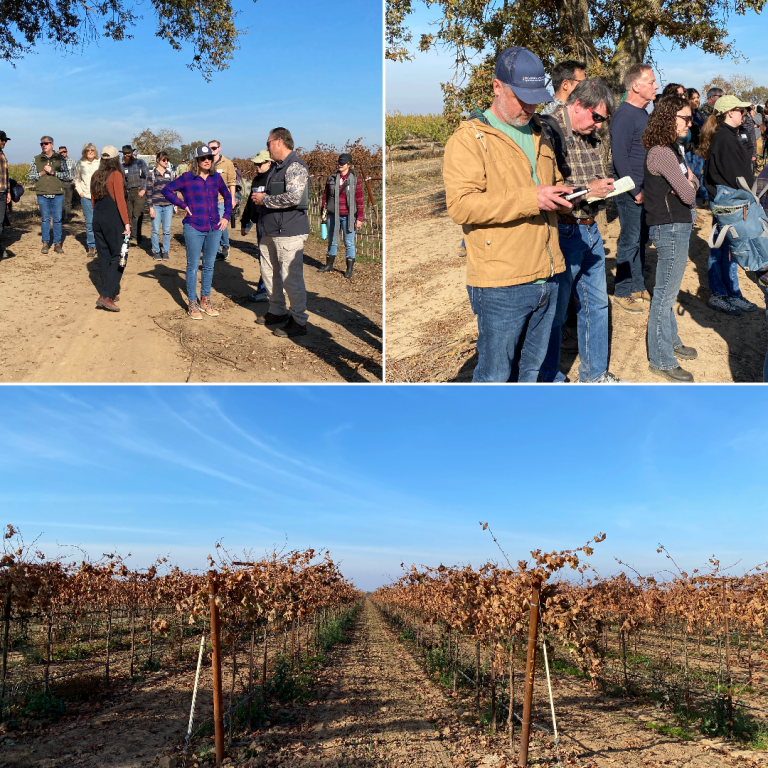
384, 475
315, 68
414, 87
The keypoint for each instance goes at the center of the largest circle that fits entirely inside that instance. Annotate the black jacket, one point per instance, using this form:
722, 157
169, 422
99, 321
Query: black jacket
727, 159
251, 210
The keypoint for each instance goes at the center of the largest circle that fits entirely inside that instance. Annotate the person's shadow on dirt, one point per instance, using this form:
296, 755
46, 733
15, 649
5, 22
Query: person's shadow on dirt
171, 279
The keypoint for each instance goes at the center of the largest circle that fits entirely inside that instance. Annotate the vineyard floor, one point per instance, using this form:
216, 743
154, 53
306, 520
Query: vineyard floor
55, 333
431, 331
372, 705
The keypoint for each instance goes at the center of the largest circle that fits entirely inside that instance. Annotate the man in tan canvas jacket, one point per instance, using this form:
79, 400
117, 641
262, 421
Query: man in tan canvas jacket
502, 185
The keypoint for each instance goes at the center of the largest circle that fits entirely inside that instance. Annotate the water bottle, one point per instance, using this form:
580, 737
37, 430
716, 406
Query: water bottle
124, 251
324, 231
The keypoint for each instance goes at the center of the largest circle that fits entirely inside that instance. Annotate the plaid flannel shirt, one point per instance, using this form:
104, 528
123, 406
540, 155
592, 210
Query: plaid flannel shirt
132, 173
71, 167
201, 196
63, 174
3, 172
579, 161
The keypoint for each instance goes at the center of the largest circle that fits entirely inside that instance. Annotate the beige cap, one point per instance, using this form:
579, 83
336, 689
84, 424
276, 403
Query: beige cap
262, 157
727, 103
109, 152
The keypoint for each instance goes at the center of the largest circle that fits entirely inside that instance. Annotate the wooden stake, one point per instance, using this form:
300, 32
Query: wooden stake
218, 705
530, 666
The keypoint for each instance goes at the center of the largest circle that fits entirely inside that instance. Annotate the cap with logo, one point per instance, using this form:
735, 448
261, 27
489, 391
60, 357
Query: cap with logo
203, 151
262, 157
727, 103
524, 73
109, 152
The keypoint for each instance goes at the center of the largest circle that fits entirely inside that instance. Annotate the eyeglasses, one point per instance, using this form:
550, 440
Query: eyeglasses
686, 118
597, 117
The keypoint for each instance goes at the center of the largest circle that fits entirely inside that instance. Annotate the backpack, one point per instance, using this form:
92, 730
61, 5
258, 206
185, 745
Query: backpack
739, 217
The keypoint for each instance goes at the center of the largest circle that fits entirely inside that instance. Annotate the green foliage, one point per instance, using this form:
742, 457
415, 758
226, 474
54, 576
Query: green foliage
19, 172
564, 667
150, 665
209, 28
431, 126
32, 654
42, 704
71, 652
334, 632
677, 731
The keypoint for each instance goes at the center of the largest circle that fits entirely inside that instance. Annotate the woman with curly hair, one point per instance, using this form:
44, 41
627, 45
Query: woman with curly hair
670, 195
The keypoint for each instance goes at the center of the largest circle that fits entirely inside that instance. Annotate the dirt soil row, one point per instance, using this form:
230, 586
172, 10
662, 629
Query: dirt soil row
432, 333
372, 705
55, 333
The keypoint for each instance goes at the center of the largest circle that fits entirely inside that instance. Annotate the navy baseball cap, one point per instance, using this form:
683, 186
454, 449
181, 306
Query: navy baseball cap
524, 73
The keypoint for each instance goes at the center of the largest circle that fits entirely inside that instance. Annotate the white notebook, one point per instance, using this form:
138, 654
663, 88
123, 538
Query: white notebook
620, 185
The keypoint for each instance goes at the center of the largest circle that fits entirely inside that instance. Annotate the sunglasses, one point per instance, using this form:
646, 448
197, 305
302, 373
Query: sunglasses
597, 117
687, 119
45, 143
213, 148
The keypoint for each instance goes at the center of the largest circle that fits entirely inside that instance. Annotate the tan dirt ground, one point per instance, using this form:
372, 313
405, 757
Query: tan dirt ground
54, 333
372, 705
431, 331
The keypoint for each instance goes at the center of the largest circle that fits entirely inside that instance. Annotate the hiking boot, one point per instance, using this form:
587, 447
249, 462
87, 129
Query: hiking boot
743, 304
194, 311
223, 254
350, 267
58, 248
207, 307
46, 247
677, 375
92, 252
641, 296
722, 304
270, 319
570, 343
328, 264
685, 353
106, 303
290, 329
629, 304
116, 298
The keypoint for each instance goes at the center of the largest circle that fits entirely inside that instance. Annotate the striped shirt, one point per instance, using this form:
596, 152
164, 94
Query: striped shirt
201, 196
155, 184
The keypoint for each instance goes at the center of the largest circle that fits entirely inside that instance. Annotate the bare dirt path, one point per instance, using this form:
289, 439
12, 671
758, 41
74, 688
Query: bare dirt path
431, 331
54, 333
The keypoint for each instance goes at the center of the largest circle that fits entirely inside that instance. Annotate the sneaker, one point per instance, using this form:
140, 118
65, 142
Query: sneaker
722, 304
207, 307
58, 248
762, 278
258, 296
157, 256
106, 303
270, 319
166, 256
223, 254
290, 329
629, 304
92, 252
677, 375
685, 353
46, 247
607, 378
194, 311
641, 296
742, 303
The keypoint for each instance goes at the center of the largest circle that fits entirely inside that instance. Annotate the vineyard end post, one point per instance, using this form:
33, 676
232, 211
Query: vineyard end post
530, 666
218, 699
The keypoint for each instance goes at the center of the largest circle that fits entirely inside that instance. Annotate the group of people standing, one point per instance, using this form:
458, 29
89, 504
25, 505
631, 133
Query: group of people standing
527, 189
114, 191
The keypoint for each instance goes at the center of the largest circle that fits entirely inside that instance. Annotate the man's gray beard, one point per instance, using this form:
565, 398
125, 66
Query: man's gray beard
518, 122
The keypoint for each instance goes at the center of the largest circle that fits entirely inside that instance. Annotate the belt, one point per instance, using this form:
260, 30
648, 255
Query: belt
574, 220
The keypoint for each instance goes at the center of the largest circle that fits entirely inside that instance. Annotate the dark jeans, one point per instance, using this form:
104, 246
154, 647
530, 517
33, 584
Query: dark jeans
3, 196
108, 233
722, 272
135, 209
69, 191
630, 252
672, 242
514, 324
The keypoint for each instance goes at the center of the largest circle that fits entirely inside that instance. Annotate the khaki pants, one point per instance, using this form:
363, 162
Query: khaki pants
286, 255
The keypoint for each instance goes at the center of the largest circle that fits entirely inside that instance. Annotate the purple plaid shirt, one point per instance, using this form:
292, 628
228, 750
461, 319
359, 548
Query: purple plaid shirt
202, 199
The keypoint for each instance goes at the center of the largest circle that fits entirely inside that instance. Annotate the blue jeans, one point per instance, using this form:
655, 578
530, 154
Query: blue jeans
349, 237
87, 205
514, 324
164, 217
671, 241
582, 247
722, 272
630, 251
225, 234
208, 244
50, 208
